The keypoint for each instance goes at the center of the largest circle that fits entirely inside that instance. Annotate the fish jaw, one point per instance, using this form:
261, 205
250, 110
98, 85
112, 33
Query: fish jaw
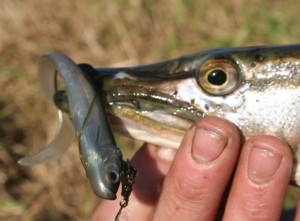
254, 112
151, 131
150, 114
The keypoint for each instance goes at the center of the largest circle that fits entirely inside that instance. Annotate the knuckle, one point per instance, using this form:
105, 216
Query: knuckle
256, 210
256, 206
187, 193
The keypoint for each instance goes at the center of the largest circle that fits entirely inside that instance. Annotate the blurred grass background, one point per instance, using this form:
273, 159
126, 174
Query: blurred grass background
103, 33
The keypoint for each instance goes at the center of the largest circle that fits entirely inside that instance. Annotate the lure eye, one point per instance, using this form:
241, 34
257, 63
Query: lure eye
218, 76
114, 176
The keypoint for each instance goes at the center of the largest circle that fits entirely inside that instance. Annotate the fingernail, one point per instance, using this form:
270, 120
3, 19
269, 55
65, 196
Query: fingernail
207, 145
262, 164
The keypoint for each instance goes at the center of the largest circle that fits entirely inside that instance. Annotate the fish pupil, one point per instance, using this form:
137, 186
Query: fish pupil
217, 77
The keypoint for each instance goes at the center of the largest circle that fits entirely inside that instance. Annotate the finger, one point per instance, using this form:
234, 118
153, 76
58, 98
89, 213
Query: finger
194, 186
152, 163
261, 180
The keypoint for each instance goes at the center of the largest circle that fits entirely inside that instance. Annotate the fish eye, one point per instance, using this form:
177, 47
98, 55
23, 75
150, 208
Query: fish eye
218, 76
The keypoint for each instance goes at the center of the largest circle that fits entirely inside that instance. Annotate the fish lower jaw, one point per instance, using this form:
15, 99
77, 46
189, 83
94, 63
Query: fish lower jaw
149, 137
126, 128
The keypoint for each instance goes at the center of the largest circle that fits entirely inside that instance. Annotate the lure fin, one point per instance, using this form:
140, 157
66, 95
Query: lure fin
58, 146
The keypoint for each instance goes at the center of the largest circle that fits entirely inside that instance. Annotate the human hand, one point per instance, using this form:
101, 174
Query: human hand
193, 184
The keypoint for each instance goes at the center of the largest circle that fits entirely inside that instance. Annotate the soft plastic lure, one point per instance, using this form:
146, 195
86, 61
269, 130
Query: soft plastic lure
100, 156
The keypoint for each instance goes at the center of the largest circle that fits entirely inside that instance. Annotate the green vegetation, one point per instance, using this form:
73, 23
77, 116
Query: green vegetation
103, 33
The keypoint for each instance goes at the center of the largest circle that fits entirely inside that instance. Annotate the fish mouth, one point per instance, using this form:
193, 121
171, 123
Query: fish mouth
147, 114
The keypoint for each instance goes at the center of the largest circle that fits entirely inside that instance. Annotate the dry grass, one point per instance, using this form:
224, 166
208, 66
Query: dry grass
103, 33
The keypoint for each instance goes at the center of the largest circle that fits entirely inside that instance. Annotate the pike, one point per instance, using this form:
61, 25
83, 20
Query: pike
256, 88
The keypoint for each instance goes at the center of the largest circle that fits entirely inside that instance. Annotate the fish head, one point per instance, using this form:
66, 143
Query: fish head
256, 88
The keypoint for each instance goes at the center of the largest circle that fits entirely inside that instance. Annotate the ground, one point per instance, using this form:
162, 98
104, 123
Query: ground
102, 33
